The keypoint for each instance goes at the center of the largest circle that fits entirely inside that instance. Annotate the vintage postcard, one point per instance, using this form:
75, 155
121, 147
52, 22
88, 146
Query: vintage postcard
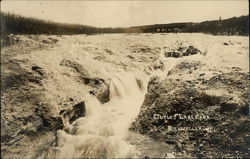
125, 79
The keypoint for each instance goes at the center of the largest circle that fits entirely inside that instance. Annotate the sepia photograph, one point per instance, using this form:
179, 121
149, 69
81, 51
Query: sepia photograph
125, 79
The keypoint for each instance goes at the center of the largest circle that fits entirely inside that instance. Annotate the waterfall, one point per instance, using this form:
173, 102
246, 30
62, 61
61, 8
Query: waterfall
102, 132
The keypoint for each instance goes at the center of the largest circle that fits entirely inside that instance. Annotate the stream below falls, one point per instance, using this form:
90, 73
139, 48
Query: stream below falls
104, 131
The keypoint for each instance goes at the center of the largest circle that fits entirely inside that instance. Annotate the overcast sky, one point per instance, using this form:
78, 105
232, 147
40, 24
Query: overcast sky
127, 13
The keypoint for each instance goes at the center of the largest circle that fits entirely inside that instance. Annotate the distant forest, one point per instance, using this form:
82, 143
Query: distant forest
16, 24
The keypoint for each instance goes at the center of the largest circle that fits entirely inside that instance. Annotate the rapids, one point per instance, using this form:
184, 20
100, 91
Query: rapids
103, 132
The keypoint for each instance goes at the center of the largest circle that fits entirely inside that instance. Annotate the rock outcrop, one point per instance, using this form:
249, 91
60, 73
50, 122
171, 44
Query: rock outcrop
194, 117
25, 113
100, 88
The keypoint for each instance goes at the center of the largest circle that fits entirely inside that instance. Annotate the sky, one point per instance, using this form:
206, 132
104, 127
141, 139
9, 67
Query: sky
121, 13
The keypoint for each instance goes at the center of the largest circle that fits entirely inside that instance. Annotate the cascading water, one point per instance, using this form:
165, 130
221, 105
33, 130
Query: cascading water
102, 132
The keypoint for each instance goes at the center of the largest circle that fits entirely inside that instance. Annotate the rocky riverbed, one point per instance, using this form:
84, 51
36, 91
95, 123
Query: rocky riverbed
197, 98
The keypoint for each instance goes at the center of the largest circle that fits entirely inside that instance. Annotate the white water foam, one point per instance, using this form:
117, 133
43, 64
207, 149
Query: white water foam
102, 132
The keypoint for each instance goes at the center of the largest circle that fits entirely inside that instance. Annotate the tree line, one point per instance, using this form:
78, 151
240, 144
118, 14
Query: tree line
16, 24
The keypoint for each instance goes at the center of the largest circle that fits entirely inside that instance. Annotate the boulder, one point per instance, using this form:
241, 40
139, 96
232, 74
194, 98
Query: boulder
191, 50
185, 67
244, 110
48, 121
174, 54
158, 65
38, 69
103, 96
109, 51
228, 107
182, 51
71, 114
100, 88
76, 66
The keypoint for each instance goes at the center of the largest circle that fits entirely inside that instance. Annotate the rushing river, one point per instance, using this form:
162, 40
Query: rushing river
103, 132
